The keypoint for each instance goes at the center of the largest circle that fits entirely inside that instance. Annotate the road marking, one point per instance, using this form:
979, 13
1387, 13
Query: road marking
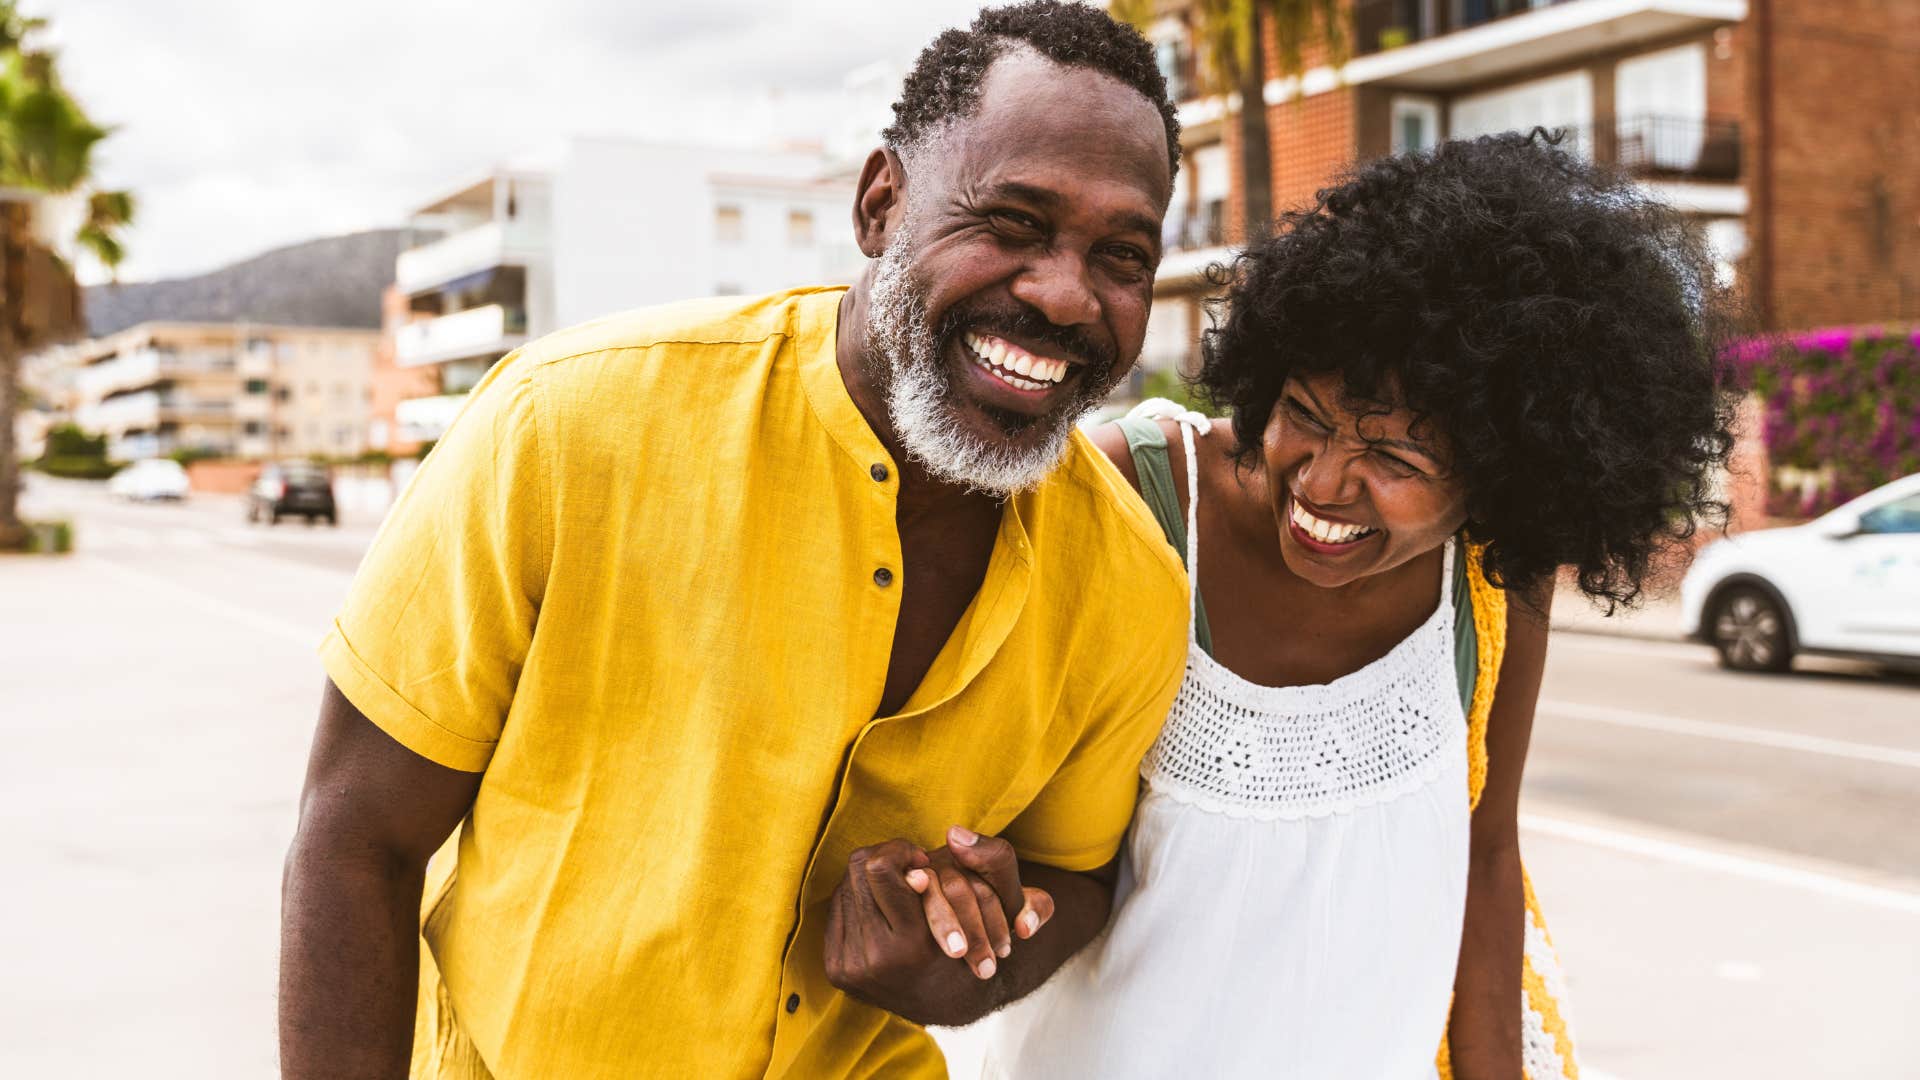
1700, 858
266, 624
1709, 729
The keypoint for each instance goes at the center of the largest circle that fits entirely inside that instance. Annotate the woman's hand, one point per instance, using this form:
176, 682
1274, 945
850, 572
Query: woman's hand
974, 903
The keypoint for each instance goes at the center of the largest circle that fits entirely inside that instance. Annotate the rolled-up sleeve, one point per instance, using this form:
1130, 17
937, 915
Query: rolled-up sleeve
437, 624
1078, 819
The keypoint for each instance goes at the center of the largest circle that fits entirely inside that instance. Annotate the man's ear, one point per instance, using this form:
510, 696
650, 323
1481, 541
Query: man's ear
879, 201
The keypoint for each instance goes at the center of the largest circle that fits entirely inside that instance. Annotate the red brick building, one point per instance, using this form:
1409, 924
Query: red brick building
1789, 128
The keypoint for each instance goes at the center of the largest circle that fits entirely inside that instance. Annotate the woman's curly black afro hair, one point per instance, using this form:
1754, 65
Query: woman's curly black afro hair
1556, 326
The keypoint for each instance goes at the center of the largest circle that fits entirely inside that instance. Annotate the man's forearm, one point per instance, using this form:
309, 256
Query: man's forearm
1082, 903
349, 965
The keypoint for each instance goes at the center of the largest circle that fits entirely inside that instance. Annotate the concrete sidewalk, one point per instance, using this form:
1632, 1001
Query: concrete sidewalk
1655, 618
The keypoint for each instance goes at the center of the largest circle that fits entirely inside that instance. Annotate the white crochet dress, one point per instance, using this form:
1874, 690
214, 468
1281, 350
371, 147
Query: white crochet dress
1293, 888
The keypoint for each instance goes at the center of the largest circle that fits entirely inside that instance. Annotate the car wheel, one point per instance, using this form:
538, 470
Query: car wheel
253, 514
1749, 628
333, 520
273, 517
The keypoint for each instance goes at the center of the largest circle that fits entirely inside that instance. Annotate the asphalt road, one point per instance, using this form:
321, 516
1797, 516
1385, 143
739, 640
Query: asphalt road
1730, 864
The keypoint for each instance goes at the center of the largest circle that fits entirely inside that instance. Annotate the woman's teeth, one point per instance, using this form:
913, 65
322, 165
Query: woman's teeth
1013, 365
1327, 532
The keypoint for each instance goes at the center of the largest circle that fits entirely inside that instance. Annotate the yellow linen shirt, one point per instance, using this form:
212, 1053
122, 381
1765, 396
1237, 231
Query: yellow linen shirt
636, 585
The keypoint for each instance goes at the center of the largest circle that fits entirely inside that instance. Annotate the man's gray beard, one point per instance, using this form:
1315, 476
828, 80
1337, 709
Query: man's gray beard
922, 402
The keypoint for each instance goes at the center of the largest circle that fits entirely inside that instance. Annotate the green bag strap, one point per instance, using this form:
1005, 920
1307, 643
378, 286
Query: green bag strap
1148, 445
1466, 639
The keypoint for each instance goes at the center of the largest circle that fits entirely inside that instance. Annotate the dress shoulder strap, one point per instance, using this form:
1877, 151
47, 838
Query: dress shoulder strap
1154, 468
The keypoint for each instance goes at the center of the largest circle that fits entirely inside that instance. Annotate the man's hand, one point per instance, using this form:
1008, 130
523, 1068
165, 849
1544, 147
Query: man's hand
973, 901
878, 948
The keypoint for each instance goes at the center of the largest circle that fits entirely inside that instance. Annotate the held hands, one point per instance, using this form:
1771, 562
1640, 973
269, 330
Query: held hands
921, 934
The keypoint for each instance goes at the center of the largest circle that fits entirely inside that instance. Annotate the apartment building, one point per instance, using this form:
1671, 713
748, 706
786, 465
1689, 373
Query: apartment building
1783, 126
229, 389
607, 225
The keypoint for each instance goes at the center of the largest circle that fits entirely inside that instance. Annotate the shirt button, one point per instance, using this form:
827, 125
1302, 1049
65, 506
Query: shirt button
793, 1003
878, 472
883, 577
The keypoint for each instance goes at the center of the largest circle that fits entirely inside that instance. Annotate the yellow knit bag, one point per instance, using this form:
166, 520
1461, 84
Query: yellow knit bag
1546, 1043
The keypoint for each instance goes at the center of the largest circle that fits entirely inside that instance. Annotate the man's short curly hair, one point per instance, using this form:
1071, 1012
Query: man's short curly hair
944, 84
1557, 327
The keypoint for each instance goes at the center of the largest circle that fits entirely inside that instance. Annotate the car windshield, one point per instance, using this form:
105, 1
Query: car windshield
1901, 516
303, 474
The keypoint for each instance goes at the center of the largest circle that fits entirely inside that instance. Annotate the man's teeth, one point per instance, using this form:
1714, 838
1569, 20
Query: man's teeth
1014, 365
1327, 532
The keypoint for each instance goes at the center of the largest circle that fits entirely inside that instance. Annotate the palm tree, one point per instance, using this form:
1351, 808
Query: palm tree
46, 147
1233, 38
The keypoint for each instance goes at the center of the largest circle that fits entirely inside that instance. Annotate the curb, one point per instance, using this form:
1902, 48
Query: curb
1670, 637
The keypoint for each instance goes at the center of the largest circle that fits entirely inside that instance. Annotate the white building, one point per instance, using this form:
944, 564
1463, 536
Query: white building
606, 225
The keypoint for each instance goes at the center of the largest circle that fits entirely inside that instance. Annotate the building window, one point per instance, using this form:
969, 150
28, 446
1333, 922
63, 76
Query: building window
1416, 124
256, 386
254, 427
1560, 102
729, 225
800, 228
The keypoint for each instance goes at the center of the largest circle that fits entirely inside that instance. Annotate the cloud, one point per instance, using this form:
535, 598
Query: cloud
241, 125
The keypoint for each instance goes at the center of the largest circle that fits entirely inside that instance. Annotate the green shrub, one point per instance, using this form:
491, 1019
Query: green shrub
49, 537
69, 441
187, 455
1160, 383
78, 468
1842, 412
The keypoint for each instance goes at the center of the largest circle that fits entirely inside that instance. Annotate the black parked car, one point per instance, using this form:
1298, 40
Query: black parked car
292, 487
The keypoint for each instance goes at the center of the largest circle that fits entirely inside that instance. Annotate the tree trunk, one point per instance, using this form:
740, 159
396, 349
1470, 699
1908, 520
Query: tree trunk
12, 535
1256, 144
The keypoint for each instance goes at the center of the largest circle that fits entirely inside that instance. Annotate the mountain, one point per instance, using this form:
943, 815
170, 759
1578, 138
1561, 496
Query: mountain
333, 281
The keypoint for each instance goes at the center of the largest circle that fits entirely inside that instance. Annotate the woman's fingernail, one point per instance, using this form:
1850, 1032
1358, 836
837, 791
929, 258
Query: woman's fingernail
1002, 951
917, 878
1030, 922
986, 968
963, 837
956, 943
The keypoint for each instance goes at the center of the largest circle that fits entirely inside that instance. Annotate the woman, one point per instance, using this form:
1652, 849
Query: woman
1458, 373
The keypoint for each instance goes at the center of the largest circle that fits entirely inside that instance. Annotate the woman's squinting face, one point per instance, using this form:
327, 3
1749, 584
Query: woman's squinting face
1357, 488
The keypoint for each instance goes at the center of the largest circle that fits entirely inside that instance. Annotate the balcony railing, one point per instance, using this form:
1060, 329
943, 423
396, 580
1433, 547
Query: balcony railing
1380, 25
1202, 228
1654, 147
493, 328
481, 248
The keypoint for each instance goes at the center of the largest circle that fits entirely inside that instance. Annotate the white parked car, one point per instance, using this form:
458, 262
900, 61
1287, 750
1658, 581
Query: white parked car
154, 478
1845, 584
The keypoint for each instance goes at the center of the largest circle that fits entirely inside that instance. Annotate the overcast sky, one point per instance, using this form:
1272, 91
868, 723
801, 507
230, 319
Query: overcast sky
244, 124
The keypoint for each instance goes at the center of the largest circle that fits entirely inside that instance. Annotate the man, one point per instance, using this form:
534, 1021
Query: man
730, 634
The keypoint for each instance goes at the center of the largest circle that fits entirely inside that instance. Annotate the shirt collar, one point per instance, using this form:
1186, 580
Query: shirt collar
816, 338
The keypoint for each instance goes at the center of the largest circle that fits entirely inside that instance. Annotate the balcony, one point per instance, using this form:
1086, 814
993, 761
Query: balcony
467, 252
1450, 44
1192, 242
116, 416
1679, 148
492, 329
128, 371
426, 419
